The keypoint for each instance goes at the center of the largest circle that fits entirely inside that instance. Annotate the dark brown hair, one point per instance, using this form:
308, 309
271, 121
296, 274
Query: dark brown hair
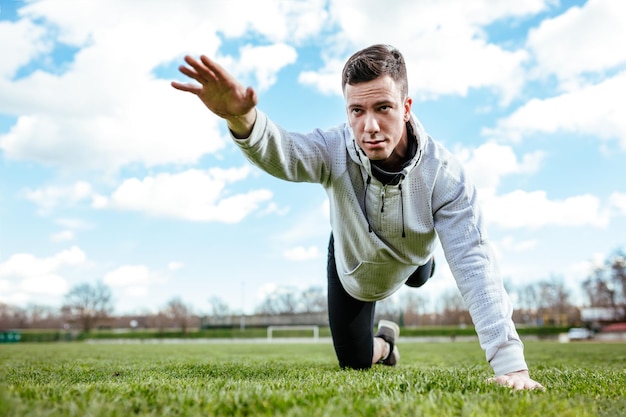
375, 61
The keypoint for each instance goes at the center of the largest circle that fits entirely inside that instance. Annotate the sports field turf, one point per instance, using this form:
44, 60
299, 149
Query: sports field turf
230, 379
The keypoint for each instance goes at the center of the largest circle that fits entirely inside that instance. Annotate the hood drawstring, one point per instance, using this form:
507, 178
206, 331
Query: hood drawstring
399, 177
402, 206
367, 186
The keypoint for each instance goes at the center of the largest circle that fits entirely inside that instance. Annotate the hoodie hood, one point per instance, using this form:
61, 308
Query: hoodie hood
358, 155
416, 133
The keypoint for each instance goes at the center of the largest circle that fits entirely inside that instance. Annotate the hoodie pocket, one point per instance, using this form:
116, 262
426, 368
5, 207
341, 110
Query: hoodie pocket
372, 281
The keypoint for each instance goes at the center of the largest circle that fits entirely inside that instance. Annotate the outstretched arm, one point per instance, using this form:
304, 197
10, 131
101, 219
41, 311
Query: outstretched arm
221, 93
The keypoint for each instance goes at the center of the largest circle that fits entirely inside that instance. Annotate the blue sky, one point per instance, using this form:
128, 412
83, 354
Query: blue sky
107, 173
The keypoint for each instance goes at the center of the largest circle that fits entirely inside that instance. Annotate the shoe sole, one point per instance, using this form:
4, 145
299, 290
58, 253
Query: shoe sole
392, 325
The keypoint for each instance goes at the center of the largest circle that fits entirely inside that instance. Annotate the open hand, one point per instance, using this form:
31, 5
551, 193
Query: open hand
219, 91
519, 380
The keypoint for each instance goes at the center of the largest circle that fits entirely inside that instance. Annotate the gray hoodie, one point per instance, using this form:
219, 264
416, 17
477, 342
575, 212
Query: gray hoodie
384, 232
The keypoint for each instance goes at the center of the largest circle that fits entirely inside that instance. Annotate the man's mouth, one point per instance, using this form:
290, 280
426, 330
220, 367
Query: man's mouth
374, 141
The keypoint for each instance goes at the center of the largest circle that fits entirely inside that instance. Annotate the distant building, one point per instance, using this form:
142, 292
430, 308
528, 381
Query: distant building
601, 315
264, 320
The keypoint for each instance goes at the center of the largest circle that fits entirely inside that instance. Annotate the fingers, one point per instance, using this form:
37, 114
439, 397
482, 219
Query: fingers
517, 382
191, 88
251, 96
197, 71
204, 70
216, 71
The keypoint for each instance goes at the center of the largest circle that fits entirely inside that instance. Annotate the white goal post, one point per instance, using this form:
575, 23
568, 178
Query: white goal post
315, 328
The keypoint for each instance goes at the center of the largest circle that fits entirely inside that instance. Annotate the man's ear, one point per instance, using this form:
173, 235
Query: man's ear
408, 102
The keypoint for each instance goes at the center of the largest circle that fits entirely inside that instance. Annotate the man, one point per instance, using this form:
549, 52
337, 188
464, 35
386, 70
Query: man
393, 193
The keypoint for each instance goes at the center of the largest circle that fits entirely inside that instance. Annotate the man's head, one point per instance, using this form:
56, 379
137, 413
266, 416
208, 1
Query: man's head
373, 62
375, 89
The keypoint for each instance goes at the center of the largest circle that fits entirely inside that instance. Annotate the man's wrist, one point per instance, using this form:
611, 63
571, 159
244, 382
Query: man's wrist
241, 126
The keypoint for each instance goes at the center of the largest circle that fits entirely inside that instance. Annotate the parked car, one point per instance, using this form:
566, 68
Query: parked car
579, 333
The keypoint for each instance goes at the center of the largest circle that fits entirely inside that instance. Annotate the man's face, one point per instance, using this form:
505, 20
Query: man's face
377, 113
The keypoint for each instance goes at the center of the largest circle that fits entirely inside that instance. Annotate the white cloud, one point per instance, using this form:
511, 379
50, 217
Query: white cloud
301, 253
25, 275
192, 195
136, 291
283, 20
582, 269
327, 79
264, 62
51, 197
25, 265
63, 236
581, 40
533, 209
138, 128
5, 286
445, 46
595, 110
73, 224
20, 42
488, 163
175, 266
129, 276
134, 281
510, 244
618, 201
265, 290
312, 223
103, 107
51, 284
16, 298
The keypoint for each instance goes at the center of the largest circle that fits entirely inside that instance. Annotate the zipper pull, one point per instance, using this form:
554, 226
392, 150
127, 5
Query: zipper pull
382, 197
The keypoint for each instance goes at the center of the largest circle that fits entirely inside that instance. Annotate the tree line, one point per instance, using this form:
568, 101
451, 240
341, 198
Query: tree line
87, 306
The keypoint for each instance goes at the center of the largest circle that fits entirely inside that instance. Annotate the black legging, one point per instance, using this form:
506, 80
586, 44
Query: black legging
351, 320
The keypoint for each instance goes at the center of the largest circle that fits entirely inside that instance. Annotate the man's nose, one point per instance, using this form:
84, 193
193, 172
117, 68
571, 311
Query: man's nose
371, 124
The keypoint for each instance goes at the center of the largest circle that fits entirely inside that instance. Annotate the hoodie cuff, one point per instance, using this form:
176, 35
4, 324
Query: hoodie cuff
509, 358
257, 131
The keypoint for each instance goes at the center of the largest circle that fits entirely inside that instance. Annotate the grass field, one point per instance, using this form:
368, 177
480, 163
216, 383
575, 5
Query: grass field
448, 379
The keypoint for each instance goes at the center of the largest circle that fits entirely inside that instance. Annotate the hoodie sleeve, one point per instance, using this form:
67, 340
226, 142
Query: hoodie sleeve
289, 156
459, 224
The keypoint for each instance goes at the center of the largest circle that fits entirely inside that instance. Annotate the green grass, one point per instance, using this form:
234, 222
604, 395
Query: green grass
249, 332
76, 379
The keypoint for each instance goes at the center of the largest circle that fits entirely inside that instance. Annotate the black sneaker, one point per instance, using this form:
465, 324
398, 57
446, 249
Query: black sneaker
389, 332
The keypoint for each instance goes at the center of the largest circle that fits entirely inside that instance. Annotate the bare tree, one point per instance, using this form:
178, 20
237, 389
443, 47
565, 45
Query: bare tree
414, 305
281, 301
454, 310
528, 297
606, 287
314, 300
597, 288
218, 314
554, 300
179, 313
388, 309
12, 317
218, 308
528, 302
157, 321
41, 316
618, 273
86, 304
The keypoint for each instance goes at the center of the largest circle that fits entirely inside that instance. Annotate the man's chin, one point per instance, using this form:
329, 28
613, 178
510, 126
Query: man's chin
376, 156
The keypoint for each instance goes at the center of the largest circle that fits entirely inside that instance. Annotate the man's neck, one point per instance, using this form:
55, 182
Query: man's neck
404, 152
390, 175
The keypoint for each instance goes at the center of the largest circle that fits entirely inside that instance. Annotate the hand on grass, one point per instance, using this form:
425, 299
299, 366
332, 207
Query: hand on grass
519, 380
